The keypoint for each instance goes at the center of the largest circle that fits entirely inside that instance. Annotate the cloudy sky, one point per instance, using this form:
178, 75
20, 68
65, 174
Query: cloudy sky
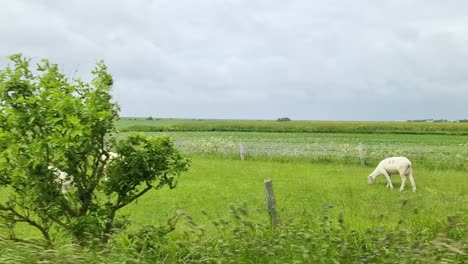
257, 59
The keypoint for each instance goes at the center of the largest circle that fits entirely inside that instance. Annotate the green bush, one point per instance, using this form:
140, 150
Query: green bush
47, 122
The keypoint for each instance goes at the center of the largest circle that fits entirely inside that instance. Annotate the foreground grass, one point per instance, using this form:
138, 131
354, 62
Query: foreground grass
328, 213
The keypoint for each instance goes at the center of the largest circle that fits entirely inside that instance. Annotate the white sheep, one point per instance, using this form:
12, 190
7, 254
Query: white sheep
400, 165
66, 181
62, 178
110, 157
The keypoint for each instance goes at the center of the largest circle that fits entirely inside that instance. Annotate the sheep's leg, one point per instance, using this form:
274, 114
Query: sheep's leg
403, 181
413, 184
389, 181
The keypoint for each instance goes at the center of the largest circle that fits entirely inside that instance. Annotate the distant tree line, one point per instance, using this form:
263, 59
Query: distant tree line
439, 120
283, 119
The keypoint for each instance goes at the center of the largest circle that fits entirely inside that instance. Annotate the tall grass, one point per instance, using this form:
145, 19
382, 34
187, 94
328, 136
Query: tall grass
237, 239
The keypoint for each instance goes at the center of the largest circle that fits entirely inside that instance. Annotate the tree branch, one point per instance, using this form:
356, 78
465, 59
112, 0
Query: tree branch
47, 243
25, 219
119, 203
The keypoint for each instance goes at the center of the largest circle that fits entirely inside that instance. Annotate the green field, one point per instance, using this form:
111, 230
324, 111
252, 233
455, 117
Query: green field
327, 210
158, 125
429, 150
218, 196
315, 171
302, 189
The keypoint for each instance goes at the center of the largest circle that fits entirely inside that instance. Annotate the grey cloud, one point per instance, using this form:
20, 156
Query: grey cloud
346, 60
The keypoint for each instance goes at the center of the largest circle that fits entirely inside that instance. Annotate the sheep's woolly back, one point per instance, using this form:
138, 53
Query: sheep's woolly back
395, 164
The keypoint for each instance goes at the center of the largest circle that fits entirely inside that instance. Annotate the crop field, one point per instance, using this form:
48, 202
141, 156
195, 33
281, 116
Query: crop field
436, 151
327, 211
159, 124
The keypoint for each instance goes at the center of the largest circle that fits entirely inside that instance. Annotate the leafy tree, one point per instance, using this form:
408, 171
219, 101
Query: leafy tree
48, 120
283, 119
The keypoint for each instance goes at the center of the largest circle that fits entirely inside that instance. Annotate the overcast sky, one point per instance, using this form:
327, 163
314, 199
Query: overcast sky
257, 59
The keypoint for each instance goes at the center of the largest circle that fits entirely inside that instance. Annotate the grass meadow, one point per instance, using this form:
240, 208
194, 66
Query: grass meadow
302, 191
328, 212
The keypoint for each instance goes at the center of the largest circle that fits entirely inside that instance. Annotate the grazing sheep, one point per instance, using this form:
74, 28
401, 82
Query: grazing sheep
400, 165
63, 179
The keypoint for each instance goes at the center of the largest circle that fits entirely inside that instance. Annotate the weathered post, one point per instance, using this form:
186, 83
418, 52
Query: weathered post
361, 154
242, 151
271, 202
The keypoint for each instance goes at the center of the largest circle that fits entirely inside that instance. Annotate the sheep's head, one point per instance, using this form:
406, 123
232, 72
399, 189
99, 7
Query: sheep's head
371, 179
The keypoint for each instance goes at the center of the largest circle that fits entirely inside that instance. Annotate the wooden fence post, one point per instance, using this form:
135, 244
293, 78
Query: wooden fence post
271, 201
242, 151
361, 154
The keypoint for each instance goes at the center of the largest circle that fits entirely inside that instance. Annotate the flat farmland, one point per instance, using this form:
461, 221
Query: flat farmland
435, 151
327, 211
311, 170
303, 190
187, 125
